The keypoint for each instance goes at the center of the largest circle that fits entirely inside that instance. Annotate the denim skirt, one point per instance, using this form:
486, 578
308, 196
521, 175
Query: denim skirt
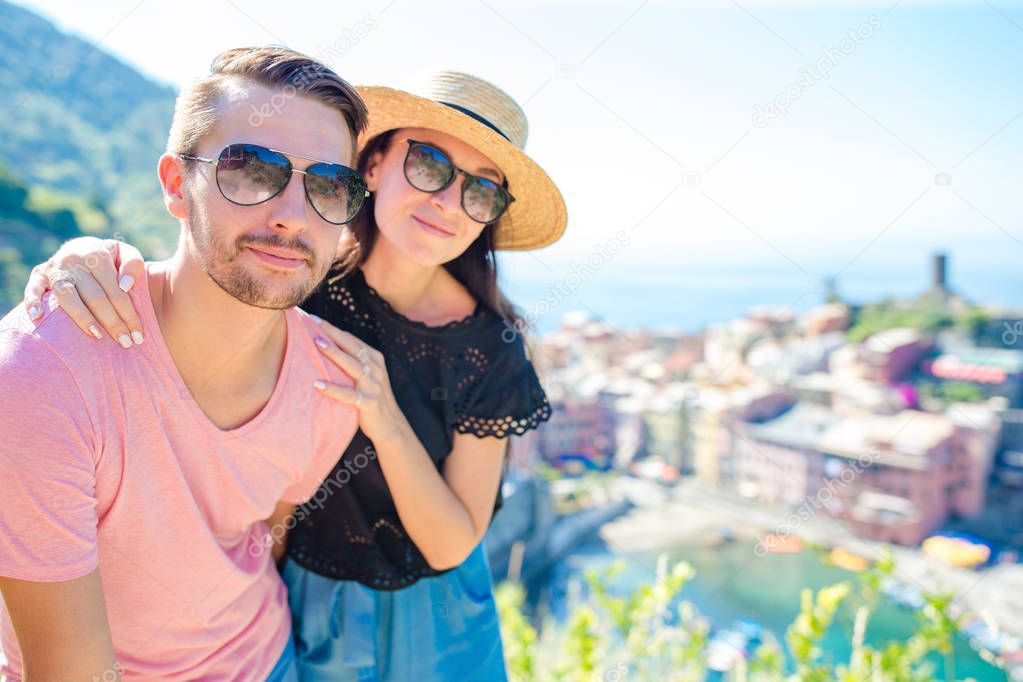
437, 629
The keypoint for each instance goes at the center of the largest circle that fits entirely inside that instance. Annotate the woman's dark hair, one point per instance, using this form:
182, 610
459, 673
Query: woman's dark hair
475, 268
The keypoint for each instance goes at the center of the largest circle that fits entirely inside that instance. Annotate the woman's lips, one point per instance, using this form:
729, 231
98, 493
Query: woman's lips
432, 229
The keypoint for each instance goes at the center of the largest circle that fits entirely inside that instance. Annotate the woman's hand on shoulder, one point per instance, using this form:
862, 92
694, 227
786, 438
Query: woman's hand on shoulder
90, 278
380, 417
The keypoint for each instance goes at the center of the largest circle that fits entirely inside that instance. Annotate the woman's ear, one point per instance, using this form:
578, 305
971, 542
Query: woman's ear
372, 172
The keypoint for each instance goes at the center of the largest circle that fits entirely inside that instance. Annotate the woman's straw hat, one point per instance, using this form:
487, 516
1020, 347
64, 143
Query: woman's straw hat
485, 117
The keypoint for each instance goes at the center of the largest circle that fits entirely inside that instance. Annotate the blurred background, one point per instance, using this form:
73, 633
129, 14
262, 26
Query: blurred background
783, 334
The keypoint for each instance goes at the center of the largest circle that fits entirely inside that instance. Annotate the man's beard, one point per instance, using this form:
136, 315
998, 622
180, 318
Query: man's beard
221, 261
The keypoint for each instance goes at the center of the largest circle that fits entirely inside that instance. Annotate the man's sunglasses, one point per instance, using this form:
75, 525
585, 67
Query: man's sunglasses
248, 174
428, 169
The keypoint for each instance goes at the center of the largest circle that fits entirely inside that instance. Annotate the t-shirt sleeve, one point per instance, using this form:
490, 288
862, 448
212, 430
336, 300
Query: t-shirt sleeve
331, 443
323, 463
510, 401
48, 517
315, 302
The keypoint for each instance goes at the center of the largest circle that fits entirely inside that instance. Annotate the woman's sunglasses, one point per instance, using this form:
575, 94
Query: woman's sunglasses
248, 174
428, 169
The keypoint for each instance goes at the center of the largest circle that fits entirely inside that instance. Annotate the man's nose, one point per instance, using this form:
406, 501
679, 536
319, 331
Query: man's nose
288, 208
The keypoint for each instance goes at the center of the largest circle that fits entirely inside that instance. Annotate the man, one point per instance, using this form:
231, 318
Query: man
135, 483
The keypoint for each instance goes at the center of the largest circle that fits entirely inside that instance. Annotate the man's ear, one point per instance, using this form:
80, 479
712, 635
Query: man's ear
171, 169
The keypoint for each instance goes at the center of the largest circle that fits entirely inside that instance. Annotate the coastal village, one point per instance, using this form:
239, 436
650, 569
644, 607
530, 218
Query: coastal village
896, 426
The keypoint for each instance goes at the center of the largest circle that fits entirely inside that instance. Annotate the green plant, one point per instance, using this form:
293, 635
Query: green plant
649, 633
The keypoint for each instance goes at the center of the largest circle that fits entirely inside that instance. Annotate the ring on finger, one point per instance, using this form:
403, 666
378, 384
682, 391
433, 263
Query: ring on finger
61, 279
358, 397
366, 370
363, 352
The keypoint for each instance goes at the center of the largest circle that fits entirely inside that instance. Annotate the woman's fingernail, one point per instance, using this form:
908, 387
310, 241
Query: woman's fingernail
124, 340
137, 337
316, 318
94, 330
34, 311
320, 342
126, 283
319, 384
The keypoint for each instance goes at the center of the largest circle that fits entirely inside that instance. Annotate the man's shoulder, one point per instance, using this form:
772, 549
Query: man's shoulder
307, 328
41, 345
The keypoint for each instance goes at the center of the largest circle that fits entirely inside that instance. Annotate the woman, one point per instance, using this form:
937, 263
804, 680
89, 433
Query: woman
387, 576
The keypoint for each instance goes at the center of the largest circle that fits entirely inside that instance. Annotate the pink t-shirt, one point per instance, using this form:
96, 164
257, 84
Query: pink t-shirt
105, 459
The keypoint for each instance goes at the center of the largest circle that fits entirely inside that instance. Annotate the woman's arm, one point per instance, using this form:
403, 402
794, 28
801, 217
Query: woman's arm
90, 278
446, 514
277, 526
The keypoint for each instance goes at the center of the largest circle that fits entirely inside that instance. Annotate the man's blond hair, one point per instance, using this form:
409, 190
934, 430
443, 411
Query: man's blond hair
278, 68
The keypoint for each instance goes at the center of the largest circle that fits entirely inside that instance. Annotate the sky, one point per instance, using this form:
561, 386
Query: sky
723, 144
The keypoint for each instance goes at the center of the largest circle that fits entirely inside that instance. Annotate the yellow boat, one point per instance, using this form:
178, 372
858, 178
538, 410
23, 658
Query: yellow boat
843, 558
956, 551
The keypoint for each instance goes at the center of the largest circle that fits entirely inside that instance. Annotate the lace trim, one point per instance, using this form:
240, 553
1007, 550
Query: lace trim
504, 426
453, 324
364, 562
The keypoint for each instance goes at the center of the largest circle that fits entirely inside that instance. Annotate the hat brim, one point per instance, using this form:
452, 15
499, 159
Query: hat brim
536, 218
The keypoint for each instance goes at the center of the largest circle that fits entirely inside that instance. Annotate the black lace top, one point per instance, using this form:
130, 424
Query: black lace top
468, 376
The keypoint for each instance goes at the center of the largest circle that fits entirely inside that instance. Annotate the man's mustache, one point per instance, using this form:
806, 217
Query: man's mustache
275, 242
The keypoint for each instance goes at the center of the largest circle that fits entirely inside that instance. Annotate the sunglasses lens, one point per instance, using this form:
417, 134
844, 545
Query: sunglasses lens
335, 191
427, 169
430, 170
248, 174
483, 200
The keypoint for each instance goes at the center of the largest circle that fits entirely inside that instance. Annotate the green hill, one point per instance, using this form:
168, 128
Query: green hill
82, 131
34, 222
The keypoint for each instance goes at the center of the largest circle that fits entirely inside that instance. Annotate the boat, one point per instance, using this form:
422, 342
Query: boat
903, 594
850, 561
782, 544
728, 646
725, 649
957, 552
